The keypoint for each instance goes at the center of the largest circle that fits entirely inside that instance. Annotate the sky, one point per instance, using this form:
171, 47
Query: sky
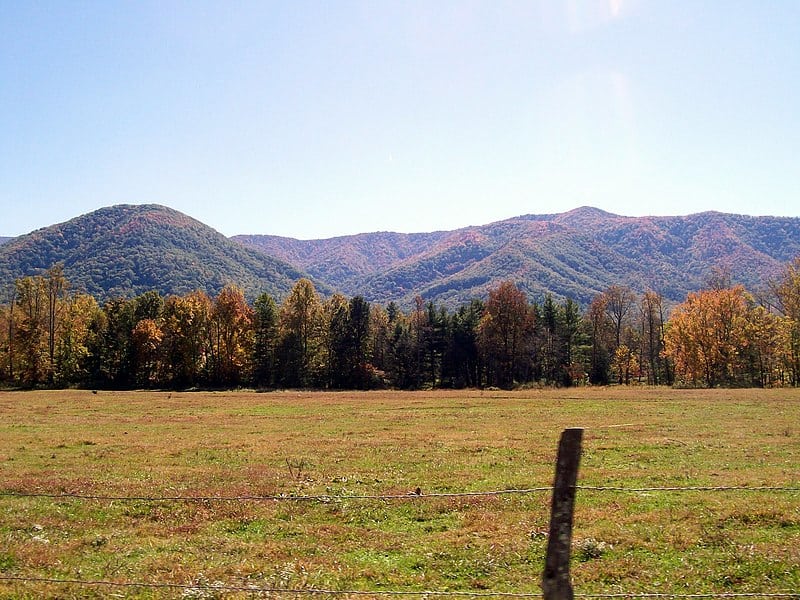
319, 119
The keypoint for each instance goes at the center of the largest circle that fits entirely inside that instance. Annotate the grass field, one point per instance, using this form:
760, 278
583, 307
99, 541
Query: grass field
341, 444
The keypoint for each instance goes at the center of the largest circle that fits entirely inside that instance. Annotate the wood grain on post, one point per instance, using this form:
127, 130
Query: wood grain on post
556, 584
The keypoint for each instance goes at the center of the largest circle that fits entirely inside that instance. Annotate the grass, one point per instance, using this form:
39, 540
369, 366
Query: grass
338, 444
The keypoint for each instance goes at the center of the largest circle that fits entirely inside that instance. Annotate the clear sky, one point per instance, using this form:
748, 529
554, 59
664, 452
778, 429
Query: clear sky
317, 119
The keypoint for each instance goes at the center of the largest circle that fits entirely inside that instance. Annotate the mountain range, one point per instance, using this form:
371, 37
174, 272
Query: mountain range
126, 250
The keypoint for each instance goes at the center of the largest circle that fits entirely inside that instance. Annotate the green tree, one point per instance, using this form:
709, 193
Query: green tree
266, 339
463, 366
113, 354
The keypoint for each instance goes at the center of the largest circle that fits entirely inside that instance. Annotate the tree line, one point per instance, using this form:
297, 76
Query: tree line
720, 336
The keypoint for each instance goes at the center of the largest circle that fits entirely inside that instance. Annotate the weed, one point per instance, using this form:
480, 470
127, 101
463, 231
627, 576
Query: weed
590, 548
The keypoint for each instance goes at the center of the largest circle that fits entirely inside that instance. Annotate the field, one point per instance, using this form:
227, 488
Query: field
335, 445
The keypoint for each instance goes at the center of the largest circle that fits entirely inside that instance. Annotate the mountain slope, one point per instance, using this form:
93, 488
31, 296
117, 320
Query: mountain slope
574, 254
346, 260
3, 240
127, 250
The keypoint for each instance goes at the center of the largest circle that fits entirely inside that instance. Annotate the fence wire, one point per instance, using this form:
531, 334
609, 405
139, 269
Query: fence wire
418, 494
253, 589
415, 495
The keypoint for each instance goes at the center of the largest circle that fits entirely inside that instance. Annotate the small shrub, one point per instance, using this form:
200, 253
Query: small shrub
590, 548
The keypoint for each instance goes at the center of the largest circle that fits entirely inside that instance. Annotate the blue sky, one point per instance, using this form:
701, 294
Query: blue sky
317, 119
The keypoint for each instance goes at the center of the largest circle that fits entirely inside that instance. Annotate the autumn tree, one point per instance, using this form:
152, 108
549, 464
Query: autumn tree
786, 292
767, 349
185, 327
146, 339
30, 335
505, 333
652, 339
7, 325
301, 335
56, 285
230, 332
380, 335
72, 348
707, 337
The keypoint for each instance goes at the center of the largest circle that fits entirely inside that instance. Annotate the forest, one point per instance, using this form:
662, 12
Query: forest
721, 336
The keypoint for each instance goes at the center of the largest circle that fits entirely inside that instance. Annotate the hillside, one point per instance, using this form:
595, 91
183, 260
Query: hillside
127, 250
574, 254
3, 240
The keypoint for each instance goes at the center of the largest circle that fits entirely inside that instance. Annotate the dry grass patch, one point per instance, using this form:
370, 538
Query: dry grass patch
342, 444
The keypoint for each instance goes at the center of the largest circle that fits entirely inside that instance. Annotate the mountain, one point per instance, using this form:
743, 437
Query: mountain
574, 254
3, 240
127, 250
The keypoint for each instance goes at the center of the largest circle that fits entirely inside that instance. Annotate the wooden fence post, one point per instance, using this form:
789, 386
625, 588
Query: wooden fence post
556, 583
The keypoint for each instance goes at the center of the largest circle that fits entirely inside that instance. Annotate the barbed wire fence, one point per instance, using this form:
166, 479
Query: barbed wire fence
561, 517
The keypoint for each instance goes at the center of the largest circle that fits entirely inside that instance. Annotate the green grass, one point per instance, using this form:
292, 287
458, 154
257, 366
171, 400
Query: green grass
232, 444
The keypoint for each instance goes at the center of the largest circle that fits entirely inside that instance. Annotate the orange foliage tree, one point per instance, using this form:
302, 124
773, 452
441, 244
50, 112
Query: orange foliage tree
719, 337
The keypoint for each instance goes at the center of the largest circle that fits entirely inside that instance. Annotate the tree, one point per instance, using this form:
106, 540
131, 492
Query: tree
231, 329
337, 341
624, 364
7, 325
146, 339
186, 321
265, 340
505, 333
652, 315
72, 351
380, 336
786, 292
601, 340
619, 305
30, 331
112, 349
707, 337
301, 335
462, 364
56, 285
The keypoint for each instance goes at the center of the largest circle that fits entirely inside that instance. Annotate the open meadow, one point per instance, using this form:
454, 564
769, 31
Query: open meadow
162, 447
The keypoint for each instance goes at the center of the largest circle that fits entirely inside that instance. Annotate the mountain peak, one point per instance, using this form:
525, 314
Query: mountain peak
125, 250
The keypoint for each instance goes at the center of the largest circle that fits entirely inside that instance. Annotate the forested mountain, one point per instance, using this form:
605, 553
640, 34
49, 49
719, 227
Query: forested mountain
127, 250
3, 240
571, 255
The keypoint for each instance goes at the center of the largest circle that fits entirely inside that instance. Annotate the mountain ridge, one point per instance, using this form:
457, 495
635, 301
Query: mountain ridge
128, 249
574, 254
